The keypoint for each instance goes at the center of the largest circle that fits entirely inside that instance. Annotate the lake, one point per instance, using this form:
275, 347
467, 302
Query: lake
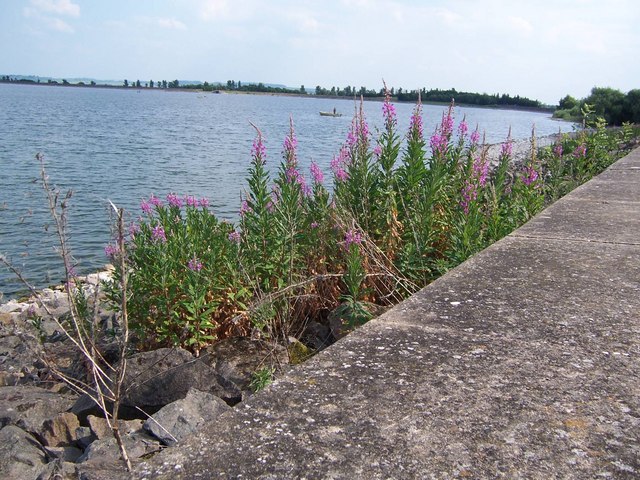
123, 145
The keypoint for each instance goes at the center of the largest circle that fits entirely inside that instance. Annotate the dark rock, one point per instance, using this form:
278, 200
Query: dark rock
85, 406
84, 437
60, 431
155, 379
176, 421
66, 454
237, 358
29, 407
317, 335
21, 456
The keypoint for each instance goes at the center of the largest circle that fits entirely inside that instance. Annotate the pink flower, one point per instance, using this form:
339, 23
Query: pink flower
463, 128
204, 202
338, 171
438, 144
134, 229
245, 208
195, 264
446, 127
258, 150
476, 180
475, 137
352, 236
580, 151
155, 201
415, 127
235, 237
110, 250
377, 151
316, 173
146, 207
389, 112
314, 225
507, 149
557, 149
191, 201
174, 200
158, 234
529, 175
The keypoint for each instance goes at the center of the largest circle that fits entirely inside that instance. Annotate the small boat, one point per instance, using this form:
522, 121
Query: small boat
330, 114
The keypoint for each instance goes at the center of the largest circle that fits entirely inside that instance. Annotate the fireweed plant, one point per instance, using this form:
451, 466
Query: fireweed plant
400, 215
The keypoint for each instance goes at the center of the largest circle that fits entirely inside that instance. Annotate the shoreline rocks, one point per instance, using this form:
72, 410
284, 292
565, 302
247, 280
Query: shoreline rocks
50, 432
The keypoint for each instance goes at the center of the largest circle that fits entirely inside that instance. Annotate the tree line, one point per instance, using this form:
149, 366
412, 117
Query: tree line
432, 95
614, 106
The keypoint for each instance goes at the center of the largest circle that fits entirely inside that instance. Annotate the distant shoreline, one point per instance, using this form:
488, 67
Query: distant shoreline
280, 94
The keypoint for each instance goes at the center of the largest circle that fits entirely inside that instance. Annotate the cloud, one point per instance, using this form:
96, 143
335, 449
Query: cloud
213, 9
520, 25
305, 22
171, 24
447, 16
46, 13
57, 7
59, 25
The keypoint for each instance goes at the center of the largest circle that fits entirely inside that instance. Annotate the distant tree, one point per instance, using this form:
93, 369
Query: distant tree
137, 83
567, 103
632, 106
64, 82
126, 82
93, 83
174, 84
164, 84
239, 84
608, 103
150, 83
333, 90
302, 89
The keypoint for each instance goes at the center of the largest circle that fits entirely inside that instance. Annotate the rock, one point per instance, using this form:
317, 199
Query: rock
237, 358
60, 431
317, 336
58, 469
66, 454
298, 351
85, 406
101, 470
137, 444
29, 407
101, 429
21, 456
7, 319
155, 379
12, 306
176, 421
18, 359
84, 437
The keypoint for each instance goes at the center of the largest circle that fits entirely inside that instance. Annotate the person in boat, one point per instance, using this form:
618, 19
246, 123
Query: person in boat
334, 110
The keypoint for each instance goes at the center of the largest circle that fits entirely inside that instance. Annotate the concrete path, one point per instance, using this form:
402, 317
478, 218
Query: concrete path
524, 362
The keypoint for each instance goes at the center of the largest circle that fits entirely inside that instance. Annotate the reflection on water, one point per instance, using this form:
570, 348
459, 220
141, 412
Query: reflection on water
118, 145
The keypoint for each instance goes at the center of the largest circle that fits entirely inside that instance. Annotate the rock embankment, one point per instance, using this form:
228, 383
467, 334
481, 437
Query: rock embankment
48, 431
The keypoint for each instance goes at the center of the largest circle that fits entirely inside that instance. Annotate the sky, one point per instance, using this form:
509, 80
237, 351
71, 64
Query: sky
543, 49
